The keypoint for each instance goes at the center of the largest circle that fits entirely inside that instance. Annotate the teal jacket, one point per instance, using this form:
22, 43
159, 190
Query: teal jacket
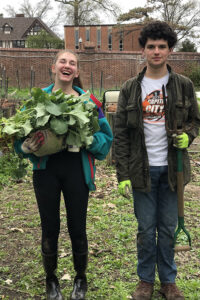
98, 149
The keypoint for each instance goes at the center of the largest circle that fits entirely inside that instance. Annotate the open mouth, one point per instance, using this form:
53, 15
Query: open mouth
66, 73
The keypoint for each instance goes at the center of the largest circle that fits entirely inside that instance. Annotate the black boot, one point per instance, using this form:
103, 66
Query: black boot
52, 284
80, 280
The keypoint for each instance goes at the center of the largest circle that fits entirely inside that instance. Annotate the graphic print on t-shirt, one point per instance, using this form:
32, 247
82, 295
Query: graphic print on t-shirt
153, 107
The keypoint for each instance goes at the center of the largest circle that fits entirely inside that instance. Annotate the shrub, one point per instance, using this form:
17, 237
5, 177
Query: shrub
12, 168
193, 72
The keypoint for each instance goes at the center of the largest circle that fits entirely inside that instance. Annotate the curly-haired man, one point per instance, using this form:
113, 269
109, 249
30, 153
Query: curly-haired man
146, 155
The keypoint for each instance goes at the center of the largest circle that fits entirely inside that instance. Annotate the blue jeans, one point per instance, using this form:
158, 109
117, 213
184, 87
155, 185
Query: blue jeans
157, 216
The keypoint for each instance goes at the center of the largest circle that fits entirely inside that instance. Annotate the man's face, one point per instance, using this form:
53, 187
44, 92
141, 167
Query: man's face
156, 53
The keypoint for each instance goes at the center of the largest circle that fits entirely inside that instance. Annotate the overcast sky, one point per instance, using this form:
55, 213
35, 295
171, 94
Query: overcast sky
124, 5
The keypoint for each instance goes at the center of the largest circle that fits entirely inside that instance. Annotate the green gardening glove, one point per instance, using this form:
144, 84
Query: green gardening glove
125, 188
182, 141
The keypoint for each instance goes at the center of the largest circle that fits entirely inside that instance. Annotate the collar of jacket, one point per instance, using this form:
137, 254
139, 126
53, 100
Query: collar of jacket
142, 73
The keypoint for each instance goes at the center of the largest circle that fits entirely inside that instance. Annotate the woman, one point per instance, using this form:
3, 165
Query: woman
71, 173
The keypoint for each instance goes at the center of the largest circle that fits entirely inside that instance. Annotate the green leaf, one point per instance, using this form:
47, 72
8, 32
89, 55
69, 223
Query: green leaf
53, 108
59, 126
40, 110
42, 121
80, 116
64, 107
27, 127
38, 95
89, 106
71, 121
10, 129
95, 124
88, 141
73, 139
85, 97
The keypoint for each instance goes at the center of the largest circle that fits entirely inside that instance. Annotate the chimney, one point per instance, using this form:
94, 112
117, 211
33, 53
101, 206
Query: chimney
19, 16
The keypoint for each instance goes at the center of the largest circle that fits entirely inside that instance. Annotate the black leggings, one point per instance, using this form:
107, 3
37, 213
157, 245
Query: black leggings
64, 174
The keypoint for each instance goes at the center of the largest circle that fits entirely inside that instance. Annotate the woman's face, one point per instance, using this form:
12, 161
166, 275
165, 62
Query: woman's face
66, 67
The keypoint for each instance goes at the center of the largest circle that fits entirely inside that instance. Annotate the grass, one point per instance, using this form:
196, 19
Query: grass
111, 228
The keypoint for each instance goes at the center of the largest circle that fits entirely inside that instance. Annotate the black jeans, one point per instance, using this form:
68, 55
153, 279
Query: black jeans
64, 174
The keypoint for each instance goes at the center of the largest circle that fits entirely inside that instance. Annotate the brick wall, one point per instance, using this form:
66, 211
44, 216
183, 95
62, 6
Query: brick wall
114, 67
23, 61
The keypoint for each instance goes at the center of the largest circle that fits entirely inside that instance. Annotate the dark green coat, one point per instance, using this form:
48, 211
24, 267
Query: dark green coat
130, 149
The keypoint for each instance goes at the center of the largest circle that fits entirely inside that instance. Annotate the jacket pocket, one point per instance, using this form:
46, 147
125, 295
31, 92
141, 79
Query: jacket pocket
132, 116
182, 111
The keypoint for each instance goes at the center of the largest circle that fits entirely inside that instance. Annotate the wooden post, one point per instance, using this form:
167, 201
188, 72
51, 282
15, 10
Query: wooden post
110, 107
17, 76
101, 83
32, 82
92, 84
4, 81
50, 74
110, 159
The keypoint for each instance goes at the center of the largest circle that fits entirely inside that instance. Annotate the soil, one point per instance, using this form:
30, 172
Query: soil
10, 235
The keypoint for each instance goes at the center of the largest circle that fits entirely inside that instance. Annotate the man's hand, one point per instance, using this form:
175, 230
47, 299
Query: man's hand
33, 143
181, 141
125, 188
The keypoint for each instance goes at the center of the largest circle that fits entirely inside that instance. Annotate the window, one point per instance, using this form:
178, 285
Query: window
121, 41
76, 38
87, 34
18, 44
110, 38
99, 37
35, 30
8, 44
1, 44
7, 29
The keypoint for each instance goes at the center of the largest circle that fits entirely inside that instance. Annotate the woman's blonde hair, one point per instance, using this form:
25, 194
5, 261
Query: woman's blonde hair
77, 81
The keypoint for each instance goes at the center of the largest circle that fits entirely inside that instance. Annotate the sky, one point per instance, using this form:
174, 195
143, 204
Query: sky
124, 5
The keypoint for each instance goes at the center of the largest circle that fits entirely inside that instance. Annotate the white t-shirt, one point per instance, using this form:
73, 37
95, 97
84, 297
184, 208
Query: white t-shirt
154, 120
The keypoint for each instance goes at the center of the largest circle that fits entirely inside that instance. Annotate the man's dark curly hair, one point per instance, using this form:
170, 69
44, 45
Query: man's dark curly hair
158, 30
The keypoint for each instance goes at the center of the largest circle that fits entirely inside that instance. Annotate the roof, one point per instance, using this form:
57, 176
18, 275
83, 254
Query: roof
107, 25
20, 27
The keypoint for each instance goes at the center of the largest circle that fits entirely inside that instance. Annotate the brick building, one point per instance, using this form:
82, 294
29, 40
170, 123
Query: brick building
102, 37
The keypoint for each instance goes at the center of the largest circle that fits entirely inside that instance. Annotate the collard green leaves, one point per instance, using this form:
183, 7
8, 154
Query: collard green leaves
75, 117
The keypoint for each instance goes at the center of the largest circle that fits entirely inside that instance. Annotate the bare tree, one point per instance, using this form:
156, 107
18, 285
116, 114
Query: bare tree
183, 16
80, 12
40, 10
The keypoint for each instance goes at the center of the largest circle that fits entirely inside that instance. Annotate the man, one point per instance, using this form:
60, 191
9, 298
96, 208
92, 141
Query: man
150, 107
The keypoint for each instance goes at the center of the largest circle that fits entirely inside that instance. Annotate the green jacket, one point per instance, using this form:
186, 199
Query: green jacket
130, 149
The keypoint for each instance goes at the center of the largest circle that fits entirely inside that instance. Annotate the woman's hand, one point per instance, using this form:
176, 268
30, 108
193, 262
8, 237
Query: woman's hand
32, 144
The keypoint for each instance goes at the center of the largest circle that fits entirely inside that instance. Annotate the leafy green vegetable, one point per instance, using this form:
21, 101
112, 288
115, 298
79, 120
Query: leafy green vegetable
75, 117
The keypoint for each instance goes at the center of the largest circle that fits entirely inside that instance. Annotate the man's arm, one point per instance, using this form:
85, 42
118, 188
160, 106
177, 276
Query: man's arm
122, 140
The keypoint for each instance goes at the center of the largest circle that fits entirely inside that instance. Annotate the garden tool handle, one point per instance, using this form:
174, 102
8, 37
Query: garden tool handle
128, 193
182, 248
180, 185
180, 195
